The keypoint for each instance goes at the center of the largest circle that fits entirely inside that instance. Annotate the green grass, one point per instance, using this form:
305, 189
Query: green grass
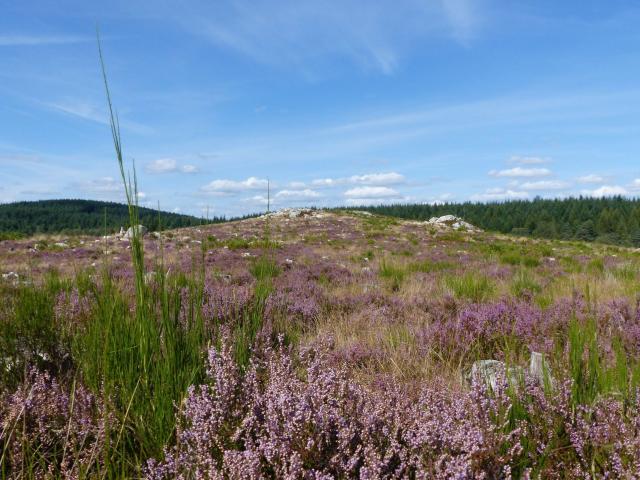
524, 283
428, 266
264, 267
470, 286
393, 274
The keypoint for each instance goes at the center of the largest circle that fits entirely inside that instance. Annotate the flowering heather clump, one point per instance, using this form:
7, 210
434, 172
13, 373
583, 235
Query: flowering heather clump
295, 296
483, 327
225, 302
221, 302
60, 432
275, 423
71, 306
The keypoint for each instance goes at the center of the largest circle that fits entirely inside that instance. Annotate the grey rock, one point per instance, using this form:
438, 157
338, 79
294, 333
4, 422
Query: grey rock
140, 230
539, 368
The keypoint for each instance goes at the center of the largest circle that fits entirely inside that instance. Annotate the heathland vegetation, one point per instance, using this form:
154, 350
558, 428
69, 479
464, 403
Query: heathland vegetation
329, 345
614, 220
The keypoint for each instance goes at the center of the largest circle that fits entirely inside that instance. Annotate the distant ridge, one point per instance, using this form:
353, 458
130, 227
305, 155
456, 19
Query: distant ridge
84, 216
614, 220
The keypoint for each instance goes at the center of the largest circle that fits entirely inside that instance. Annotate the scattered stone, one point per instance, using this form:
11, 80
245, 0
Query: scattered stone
288, 260
149, 277
246, 254
10, 277
288, 213
491, 371
140, 230
60, 245
539, 368
451, 221
362, 213
487, 372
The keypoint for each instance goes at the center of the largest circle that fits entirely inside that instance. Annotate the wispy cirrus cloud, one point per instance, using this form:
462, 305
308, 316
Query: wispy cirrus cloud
303, 34
90, 112
35, 40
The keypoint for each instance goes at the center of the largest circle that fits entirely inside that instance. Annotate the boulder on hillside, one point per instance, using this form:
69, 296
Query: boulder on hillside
491, 372
294, 213
140, 230
451, 221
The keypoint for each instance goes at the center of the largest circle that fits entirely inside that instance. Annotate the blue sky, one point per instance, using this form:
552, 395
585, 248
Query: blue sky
335, 102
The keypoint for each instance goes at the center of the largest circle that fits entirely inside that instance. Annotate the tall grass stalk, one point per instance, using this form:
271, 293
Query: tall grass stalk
142, 356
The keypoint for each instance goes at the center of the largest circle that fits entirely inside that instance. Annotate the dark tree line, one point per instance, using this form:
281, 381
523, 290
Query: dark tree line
84, 216
613, 220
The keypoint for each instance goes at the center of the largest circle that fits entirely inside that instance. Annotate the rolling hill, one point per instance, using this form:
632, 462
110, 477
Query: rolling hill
83, 216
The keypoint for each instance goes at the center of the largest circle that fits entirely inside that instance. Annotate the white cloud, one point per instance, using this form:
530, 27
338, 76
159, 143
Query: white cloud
499, 194
545, 185
326, 182
636, 183
521, 172
606, 191
189, 169
371, 192
440, 199
297, 185
390, 178
258, 200
517, 160
91, 112
298, 194
308, 35
162, 165
142, 195
356, 202
169, 165
591, 178
224, 186
384, 178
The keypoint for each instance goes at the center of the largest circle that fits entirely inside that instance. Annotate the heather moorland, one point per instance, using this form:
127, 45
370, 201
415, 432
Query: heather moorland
476, 316
315, 344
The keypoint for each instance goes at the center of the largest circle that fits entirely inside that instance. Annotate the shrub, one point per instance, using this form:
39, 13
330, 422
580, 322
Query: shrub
53, 431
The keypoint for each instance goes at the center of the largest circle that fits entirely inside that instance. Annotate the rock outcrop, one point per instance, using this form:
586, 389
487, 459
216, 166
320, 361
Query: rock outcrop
451, 221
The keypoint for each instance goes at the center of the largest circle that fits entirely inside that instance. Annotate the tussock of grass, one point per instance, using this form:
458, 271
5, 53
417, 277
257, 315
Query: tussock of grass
470, 286
393, 274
